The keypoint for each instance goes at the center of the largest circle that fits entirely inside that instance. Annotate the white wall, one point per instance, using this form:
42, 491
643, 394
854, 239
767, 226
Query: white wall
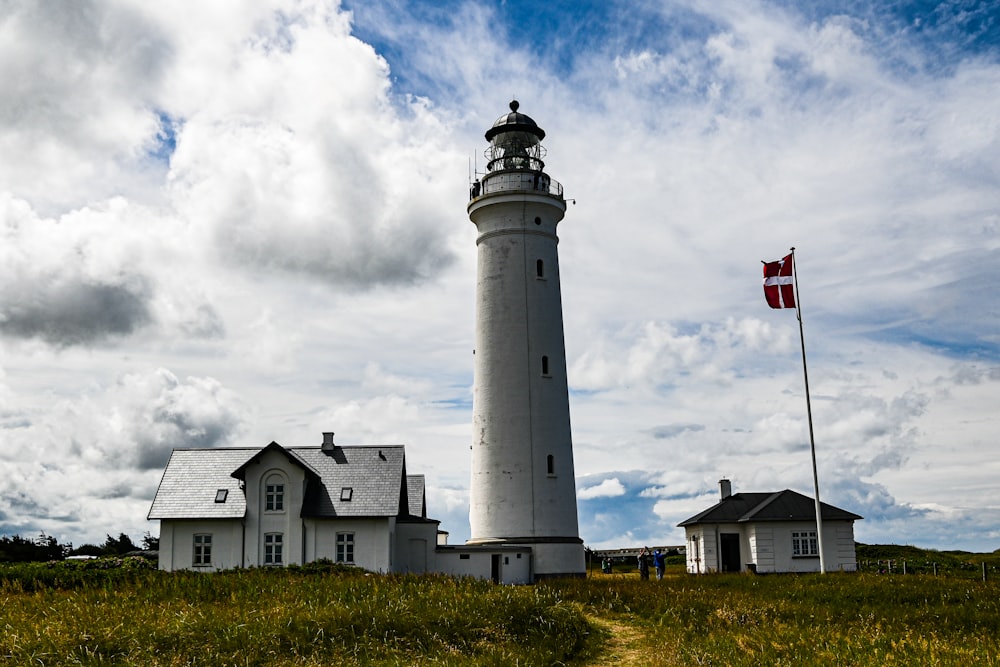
558, 559
260, 521
769, 546
372, 538
761, 539
838, 547
415, 547
844, 557
177, 543
705, 557
515, 564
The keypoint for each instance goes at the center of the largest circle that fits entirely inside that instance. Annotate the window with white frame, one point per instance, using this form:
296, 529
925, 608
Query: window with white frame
345, 547
274, 494
273, 549
804, 543
202, 549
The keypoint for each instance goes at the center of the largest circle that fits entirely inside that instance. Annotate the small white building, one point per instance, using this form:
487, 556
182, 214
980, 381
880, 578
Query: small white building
768, 532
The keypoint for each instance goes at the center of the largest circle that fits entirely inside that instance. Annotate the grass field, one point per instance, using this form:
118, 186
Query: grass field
123, 614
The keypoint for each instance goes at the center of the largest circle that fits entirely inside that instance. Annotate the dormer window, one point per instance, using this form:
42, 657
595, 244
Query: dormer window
346, 493
221, 495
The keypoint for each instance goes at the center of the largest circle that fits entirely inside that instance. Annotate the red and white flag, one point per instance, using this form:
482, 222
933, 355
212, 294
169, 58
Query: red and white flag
778, 288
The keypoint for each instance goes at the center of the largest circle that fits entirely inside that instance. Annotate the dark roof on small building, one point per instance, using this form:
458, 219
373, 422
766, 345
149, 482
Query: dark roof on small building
784, 505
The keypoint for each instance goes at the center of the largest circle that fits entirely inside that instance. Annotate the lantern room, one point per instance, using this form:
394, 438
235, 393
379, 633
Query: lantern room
514, 158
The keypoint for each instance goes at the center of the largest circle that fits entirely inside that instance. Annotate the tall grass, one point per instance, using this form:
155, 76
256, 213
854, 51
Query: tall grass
833, 619
284, 617
327, 616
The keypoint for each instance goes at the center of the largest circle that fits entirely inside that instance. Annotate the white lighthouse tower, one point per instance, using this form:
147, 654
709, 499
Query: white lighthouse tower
523, 483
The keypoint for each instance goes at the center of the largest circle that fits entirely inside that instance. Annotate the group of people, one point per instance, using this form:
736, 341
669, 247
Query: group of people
659, 562
658, 558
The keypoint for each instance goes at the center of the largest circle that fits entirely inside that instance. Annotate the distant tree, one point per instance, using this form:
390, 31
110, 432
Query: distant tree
150, 543
118, 546
49, 548
14, 549
17, 549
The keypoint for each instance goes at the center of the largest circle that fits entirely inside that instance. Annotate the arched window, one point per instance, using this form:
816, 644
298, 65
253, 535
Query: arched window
274, 493
550, 464
545, 365
540, 268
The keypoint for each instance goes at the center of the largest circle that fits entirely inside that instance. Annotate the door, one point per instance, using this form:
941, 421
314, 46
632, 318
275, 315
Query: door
729, 543
418, 555
495, 568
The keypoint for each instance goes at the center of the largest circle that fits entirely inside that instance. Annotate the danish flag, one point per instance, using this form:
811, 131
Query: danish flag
778, 288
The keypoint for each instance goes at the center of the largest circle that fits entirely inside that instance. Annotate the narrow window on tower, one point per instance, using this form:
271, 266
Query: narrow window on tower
545, 366
538, 221
550, 464
540, 268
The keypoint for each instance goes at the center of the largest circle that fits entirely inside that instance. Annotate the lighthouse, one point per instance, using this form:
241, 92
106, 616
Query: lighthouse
523, 490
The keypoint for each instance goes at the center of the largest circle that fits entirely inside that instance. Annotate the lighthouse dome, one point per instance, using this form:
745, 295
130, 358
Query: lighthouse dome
515, 121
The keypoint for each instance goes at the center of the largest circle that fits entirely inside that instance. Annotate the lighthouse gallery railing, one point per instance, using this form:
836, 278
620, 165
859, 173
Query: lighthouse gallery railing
517, 181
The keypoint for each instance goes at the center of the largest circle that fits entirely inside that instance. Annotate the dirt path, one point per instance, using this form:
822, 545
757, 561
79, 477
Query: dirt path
625, 644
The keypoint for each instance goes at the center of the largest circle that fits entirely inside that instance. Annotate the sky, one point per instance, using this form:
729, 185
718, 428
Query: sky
227, 223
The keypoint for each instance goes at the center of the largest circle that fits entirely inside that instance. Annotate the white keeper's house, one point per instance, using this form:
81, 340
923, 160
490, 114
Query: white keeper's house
768, 532
244, 507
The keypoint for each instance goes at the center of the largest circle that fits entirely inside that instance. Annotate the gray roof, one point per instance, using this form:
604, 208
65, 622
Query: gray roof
784, 505
192, 478
375, 476
415, 495
287, 453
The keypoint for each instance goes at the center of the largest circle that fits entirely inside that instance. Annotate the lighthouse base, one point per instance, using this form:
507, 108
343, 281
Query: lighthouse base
551, 557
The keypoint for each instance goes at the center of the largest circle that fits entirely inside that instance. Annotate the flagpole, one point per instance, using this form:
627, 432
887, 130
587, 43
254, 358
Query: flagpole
812, 439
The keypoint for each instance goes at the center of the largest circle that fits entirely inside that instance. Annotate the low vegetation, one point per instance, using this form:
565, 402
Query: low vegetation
316, 615
122, 611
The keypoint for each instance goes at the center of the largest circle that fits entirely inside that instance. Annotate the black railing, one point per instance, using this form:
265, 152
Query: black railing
516, 181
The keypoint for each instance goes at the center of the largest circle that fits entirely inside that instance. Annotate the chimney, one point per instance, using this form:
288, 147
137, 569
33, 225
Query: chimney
726, 487
327, 445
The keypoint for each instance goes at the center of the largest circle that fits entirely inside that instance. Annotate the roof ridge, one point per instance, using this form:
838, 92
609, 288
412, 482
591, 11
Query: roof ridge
213, 449
346, 446
771, 497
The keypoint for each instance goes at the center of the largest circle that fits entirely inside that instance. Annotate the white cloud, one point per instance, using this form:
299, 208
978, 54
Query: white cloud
608, 488
82, 465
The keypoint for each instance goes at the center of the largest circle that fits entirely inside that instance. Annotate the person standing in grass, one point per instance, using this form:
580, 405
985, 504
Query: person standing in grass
644, 563
659, 563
